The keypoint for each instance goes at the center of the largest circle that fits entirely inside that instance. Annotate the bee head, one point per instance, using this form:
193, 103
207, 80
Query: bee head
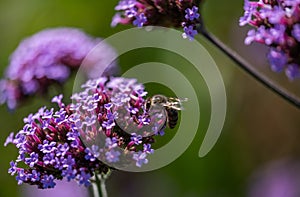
159, 99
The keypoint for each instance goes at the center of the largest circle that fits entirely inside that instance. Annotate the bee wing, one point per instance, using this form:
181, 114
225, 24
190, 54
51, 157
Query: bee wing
177, 107
183, 99
175, 103
177, 100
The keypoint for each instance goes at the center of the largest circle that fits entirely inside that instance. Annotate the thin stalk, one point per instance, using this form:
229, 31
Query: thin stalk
248, 68
99, 187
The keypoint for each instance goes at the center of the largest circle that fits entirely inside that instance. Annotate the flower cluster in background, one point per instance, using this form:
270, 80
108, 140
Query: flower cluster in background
46, 58
279, 178
85, 137
174, 13
277, 24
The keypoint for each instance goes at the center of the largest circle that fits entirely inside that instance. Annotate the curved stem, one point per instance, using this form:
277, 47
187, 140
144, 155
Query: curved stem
248, 68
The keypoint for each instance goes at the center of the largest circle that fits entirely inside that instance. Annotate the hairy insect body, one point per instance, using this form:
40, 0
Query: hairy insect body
171, 106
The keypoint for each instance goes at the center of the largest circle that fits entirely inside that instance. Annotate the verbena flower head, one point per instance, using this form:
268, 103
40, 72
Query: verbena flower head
112, 113
276, 25
46, 58
168, 13
107, 125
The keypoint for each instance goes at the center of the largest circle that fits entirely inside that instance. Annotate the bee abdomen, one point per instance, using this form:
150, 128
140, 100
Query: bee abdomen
172, 117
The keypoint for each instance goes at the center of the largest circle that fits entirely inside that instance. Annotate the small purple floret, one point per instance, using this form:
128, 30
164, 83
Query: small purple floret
192, 14
189, 32
140, 20
140, 158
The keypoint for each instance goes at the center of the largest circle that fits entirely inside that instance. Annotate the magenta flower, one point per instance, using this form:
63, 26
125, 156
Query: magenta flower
46, 58
167, 13
92, 135
277, 26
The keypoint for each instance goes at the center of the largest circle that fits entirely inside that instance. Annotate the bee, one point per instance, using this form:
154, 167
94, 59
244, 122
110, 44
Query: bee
170, 104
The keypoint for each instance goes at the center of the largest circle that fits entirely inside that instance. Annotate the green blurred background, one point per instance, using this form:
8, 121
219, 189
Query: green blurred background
260, 127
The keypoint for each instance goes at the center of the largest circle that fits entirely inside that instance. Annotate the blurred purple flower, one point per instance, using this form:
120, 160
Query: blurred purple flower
292, 71
140, 158
62, 188
278, 179
169, 13
276, 25
112, 156
277, 59
46, 58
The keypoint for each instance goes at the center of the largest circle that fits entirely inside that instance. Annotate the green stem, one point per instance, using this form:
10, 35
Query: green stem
99, 187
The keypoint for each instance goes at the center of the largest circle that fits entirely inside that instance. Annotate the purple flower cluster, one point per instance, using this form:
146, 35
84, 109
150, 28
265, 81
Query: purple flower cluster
46, 58
276, 25
175, 13
106, 124
111, 112
50, 147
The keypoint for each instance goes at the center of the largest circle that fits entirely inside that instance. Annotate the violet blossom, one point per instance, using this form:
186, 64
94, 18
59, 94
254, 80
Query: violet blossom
74, 143
276, 25
169, 13
48, 57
